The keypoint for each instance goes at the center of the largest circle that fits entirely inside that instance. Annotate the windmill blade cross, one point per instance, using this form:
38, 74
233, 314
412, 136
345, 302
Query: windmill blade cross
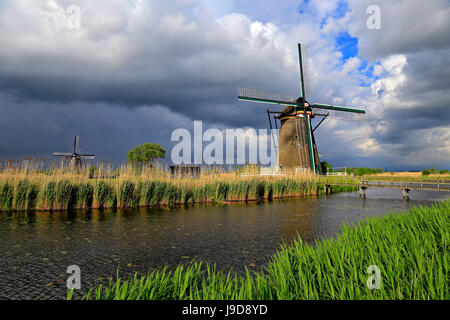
296, 125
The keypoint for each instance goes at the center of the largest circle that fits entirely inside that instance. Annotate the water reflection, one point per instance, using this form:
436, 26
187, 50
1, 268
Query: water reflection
36, 248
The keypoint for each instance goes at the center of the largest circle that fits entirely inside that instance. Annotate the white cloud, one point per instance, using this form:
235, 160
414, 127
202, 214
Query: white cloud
189, 56
406, 26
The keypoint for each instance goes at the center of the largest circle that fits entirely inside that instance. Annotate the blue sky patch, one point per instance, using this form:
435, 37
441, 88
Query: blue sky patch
347, 44
366, 71
341, 10
339, 13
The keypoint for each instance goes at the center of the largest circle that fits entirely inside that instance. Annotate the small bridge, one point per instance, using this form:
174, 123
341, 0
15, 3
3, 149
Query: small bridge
406, 186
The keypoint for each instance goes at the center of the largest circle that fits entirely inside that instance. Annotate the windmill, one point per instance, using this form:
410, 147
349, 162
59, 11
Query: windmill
75, 157
297, 147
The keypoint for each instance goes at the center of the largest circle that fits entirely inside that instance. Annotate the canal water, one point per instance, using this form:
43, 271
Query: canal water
37, 248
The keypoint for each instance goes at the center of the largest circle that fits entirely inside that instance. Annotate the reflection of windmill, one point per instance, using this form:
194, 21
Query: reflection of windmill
75, 157
297, 147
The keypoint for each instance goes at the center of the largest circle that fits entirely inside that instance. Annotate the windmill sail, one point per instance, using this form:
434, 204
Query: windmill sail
62, 154
306, 70
304, 66
256, 95
337, 108
346, 116
87, 156
301, 58
76, 143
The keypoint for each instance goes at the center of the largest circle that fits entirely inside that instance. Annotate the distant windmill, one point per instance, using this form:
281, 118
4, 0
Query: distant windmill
75, 157
297, 147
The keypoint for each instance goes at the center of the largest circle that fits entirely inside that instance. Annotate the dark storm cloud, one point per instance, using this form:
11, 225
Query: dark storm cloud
137, 70
39, 129
406, 26
428, 75
423, 108
154, 55
192, 99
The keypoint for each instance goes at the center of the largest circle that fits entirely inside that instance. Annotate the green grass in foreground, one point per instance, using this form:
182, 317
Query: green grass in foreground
411, 250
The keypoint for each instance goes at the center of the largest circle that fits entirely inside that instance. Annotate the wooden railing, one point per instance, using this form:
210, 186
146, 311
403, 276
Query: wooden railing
411, 185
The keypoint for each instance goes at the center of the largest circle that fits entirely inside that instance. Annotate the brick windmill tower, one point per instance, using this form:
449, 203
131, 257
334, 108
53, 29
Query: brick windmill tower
297, 147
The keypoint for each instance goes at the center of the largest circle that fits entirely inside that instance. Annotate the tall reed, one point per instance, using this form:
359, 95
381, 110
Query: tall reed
25, 188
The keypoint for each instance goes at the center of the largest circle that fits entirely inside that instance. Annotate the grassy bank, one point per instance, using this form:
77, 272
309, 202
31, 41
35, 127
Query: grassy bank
65, 190
411, 250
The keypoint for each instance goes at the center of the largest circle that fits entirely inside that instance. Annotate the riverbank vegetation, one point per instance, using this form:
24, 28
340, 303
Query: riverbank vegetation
364, 173
433, 171
62, 188
411, 250
438, 176
407, 177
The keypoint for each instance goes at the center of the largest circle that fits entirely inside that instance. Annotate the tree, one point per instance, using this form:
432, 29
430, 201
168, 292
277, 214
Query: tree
146, 153
326, 167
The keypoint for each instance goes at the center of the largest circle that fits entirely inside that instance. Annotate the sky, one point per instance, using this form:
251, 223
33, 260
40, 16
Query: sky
134, 71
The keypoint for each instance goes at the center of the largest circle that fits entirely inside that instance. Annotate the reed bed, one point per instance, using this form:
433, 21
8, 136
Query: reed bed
30, 187
411, 250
